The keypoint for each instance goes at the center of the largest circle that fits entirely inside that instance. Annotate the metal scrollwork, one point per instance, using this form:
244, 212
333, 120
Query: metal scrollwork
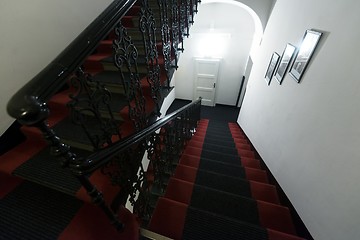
175, 33
147, 28
125, 59
154, 151
165, 37
64, 151
188, 16
89, 107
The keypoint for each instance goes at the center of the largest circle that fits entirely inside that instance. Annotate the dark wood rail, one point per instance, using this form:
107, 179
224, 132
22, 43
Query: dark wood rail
105, 155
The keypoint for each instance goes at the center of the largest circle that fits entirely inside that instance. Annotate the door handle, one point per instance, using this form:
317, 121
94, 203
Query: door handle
214, 85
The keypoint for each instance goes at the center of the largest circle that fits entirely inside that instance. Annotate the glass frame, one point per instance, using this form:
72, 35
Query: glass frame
272, 66
284, 63
303, 56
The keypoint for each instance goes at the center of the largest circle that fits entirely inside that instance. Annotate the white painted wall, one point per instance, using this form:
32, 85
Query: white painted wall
262, 8
308, 134
240, 25
247, 75
33, 33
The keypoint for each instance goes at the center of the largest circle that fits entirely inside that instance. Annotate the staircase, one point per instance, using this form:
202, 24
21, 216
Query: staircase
82, 158
104, 89
219, 191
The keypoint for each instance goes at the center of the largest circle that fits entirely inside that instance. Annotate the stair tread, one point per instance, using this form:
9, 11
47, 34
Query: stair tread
204, 225
219, 148
46, 170
74, 135
237, 207
220, 168
31, 208
223, 183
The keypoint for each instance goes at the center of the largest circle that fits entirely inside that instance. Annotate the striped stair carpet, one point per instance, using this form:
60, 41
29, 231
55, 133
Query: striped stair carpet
32, 211
219, 191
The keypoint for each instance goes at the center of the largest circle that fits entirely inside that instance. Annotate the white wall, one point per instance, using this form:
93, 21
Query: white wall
33, 33
308, 134
262, 8
240, 25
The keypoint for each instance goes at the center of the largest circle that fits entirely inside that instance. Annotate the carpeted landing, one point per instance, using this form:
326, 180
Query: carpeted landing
219, 191
32, 211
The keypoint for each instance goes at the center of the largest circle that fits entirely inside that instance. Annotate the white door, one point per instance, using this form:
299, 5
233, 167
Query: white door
206, 74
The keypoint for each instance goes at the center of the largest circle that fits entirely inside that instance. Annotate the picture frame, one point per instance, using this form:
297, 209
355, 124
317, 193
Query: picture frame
271, 68
304, 54
284, 62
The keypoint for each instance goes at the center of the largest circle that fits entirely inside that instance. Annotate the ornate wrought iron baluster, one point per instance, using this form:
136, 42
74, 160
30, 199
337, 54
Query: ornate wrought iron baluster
62, 150
90, 108
172, 152
192, 11
156, 159
125, 59
183, 19
165, 36
147, 28
175, 24
188, 17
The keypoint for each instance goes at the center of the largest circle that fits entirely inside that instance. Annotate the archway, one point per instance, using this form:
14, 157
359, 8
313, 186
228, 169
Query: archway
228, 37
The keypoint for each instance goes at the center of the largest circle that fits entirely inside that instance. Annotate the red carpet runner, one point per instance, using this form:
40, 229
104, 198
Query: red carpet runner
219, 191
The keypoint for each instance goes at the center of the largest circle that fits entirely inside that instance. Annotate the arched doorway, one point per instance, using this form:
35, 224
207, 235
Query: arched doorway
225, 30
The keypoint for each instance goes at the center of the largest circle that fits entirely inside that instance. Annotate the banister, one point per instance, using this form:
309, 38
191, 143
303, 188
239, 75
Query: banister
103, 156
28, 105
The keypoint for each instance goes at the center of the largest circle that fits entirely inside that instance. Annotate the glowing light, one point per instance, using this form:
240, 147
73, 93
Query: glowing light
212, 44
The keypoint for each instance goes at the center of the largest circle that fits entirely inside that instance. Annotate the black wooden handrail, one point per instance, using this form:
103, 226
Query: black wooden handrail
105, 155
28, 105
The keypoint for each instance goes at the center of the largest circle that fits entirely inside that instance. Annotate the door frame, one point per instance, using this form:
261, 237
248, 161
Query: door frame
209, 60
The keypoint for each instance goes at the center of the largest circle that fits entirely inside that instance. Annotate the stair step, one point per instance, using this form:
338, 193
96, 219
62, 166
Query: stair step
275, 217
21, 153
189, 160
221, 168
179, 221
218, 156
168, 218
227, 142
242, 208
250, 162
218, 132
91, 223
185, 173
264, 192
195, 143
30, 208
112, 81
219, 138
240, 141
75, 136
46, 170
8, 183
220, 148
179, 190
223, 183
237, 186
206, 225
225, 204
256, 175
245, 153
243, 146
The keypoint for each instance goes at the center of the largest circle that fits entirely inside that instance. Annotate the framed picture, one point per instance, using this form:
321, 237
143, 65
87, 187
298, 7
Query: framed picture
284, 62
272, 65
303, 56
